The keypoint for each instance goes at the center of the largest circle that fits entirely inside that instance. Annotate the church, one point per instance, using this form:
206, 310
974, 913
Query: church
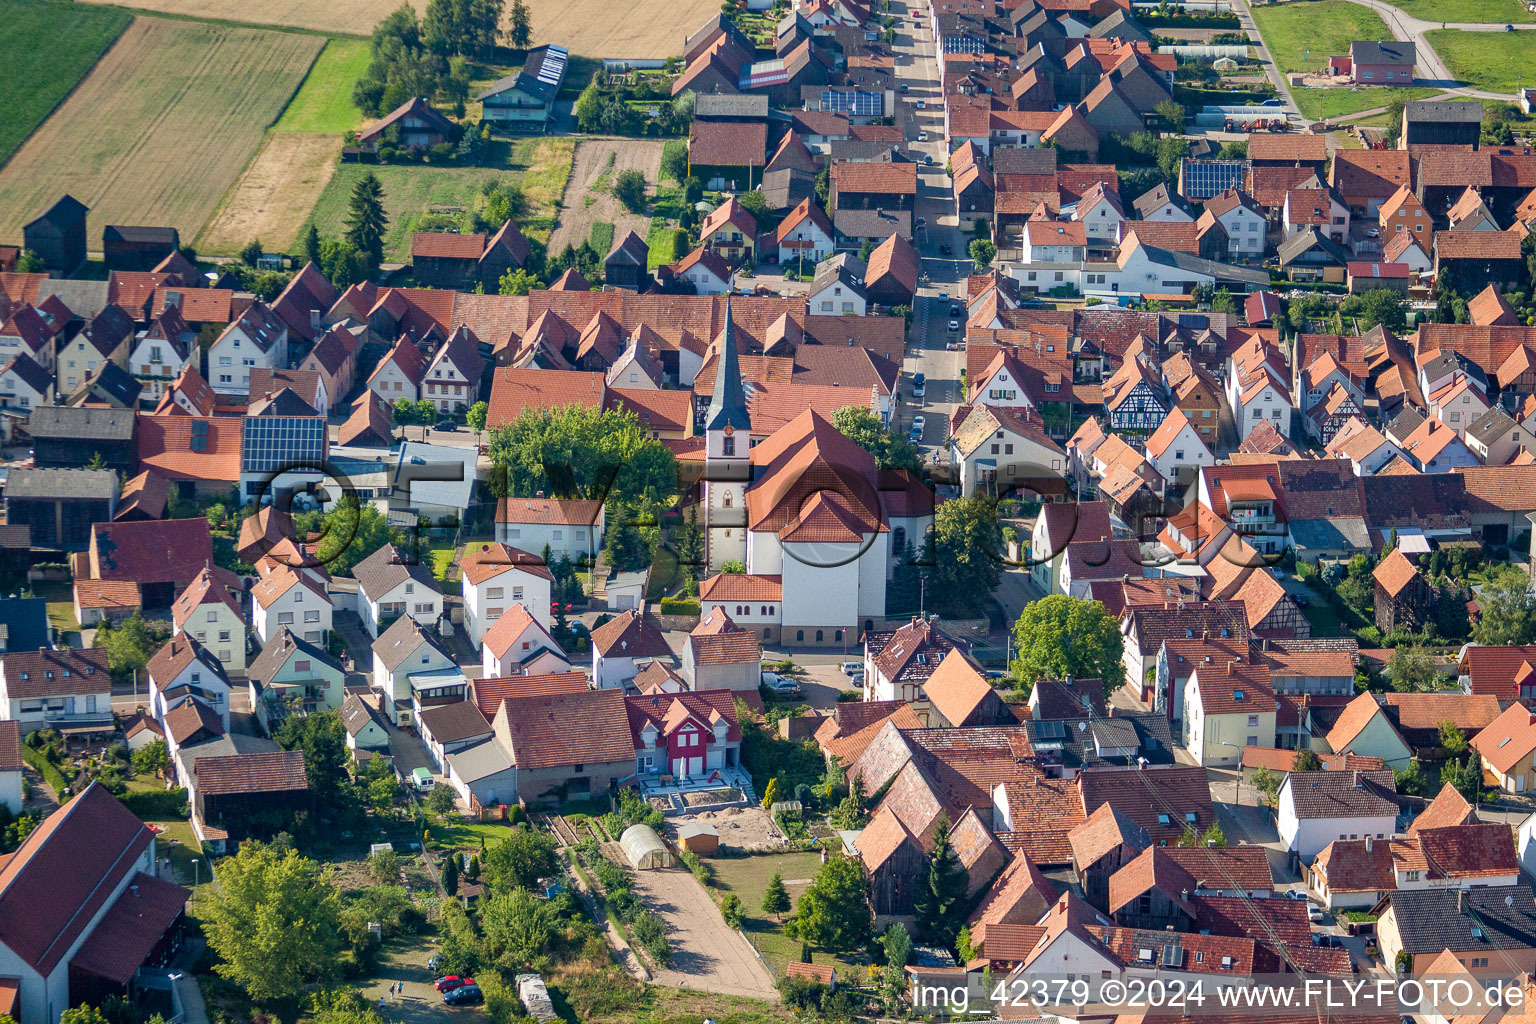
818, 527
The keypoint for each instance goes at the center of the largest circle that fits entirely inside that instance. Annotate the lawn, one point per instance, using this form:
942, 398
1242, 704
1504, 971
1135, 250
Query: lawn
747, 877
1494, 11
1495, 61
673, 145
601, 238
39, 71
161, 127
324, 102
443, 568
1326, 103
413, 190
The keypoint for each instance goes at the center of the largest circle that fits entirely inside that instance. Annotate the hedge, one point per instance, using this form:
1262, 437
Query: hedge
679, 606
156, 805
46, 769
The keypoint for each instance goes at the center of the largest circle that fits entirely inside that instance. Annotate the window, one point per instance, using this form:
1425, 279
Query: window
1178, 455
494, 593
283, 618
728, 446
410, 588
313, 615
301, 666
224, 635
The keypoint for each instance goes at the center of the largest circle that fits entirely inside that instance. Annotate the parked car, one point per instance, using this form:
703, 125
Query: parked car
451, 982
422, 779
922, 136
919, 378
918, 423
446, 425
1316, 915
851, 667
771, 678
919, 389
904, 87
946, 249
921, 104
951, 345
1373, 233
464, 995
954, 309
922, 222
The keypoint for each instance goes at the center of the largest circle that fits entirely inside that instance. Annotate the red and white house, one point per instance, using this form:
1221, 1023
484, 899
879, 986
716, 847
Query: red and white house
687, 735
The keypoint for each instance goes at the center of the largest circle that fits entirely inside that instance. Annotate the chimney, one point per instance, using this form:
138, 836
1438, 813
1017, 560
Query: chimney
538, 494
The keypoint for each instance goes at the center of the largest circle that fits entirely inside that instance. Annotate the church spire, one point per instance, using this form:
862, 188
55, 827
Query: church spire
728, 402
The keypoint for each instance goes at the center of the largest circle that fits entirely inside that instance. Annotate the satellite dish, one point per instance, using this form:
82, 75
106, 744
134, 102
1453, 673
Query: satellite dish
1509, 901
1082, 726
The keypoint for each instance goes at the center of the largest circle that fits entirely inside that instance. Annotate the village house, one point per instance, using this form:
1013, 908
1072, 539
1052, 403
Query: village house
1403, 597
1317, 808
569, 528
1506, 746
292, 675
57, 689
1490, 931
402, 652
258, 337
617, 645
391, 585
497, 576
292, 599
184, 671
212, 610
517, 643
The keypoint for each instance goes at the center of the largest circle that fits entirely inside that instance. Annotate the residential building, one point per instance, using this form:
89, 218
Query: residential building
412, 668
292, 675
570, 528
258, 337
1506, 746
619, 643
1490, 931
1314, 809
391, 585
56, 689
291, 599
496, 577
212, 611
517, 643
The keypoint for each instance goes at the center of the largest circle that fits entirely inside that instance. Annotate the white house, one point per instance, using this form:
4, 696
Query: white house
1363, 728
183, 669
56, 689
1366, 448
1001, 384
105, 339
1004, 448
1242, 220
1100, 213
452, 378
398, 374
449, 728
567, 526
497, 576
24, 385
618, 643
836, 291
258, 338
637, 367
1176, 450
1157, 203
1497, 439
719, 655
365, 727
391, 585
161, 351
211, 610
1054, 241
1256, 388
292, 599
405, 650
1228, 705
11, 792
1320, 208
518, 644
704, 270
1316, 808
805, 237
1435, 447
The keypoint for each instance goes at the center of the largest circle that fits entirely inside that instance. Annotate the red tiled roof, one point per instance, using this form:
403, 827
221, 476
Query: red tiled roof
107, 594
487, 694
10, 746
155, 551
272, 772
444, 245
727, 144
882, 178
205, 448
564, 729
129, 932
515, 392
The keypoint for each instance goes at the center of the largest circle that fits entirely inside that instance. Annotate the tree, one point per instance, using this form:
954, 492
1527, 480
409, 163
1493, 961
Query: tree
1466, 776
833, 914
939, 906
869, 432
274, 920
384, 867
521, 859
733, 567
323, 740
30, 262
776, 897
251, 252
964, 554
450, 875
1379, 306
983, 252
897, 945
1172, 115
674, 163
440, 800
1411, 669
152, 759
690, 540
625, 546
518, 928
1223, 302
351, 532
82, 1014
1506, 606
312, 245
731, 910
1410, 780
771, 792
1452, 739
519, 26
129, 645
1214, 836
366, 220
629, 189
518, 281
866, 250
342, 264
1267, 784
577, 452
1306, 760
1060, 636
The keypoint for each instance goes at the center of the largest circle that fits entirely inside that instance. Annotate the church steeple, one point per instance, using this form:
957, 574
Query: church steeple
728, 402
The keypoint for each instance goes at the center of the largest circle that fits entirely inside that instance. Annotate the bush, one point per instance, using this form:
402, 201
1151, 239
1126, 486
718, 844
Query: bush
45, 768
679, 606
850, 696
730, 910
629, 189
702, 871
157, 806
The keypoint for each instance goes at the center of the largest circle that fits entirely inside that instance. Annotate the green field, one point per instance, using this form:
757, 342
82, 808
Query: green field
1495, 11
412, 190
39, 72
324, 102
1325, 103
747, 877
1495, 61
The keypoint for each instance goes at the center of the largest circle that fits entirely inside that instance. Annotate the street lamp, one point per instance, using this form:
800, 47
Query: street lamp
194, 877
1238, 785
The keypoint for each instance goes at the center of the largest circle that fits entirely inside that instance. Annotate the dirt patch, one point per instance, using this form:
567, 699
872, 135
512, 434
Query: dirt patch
741, 828
588, 197
706, 954
711, 796
272, 199
161, 127
593, 28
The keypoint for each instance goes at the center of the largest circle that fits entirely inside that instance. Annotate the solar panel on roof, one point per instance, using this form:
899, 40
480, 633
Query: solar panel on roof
552, 69
1206, 179
1050, 730
199, 441
852, 101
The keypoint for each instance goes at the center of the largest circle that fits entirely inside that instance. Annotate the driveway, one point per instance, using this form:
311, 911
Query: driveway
706, 955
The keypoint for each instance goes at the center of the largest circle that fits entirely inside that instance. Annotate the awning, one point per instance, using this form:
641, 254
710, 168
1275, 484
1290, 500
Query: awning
86, 728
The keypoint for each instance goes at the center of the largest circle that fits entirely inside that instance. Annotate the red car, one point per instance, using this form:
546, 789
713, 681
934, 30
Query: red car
451, 982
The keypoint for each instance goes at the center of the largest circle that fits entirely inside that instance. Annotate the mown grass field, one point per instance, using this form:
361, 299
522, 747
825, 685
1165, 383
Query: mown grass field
1495, 11
1303, 34
324, 102
161, 127
411, 191
748, 877
39, 72
1495, 61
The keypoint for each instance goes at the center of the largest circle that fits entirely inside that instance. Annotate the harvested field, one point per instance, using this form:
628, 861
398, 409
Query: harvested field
161, 128
40, 72
589, 198
635, 28
412, 191
272, 199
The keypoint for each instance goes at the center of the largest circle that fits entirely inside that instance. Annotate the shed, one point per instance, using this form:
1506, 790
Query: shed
644, 848
698, 838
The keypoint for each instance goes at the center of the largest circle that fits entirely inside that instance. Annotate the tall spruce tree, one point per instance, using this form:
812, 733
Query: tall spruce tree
941, 900
366, 220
